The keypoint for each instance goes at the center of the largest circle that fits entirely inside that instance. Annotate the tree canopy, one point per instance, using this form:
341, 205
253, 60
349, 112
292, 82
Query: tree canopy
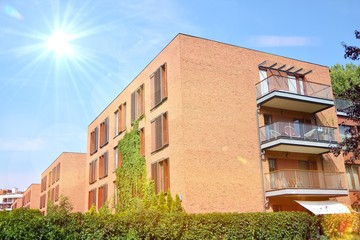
350, 144
352, 52
342, 76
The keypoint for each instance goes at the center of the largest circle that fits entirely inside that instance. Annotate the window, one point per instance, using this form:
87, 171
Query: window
344, 131
158, 86
53, 175
92, 198
161, 175
121, 121
116, 121
352, 176
57, 193
42, 201
104, 132
43, 184
142, 142
49, 179
57, 171
117, 158
159, 132
103, 165
102, 195
115, 194
92, 172
93, 141
137, 103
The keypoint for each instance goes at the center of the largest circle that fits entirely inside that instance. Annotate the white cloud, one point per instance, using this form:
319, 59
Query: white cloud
22, 144
281, 41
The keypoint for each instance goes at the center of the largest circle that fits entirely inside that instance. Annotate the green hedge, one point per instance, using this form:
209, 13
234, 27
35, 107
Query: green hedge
152, 224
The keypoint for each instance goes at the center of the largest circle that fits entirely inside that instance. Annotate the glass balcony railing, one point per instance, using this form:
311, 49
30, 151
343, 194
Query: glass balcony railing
294, 86
296, 131
304, 179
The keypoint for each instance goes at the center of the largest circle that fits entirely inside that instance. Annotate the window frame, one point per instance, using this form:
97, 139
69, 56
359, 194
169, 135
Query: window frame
104, 132
160, 174
104, 165
158, 85
159, 125
137, 103
94, 141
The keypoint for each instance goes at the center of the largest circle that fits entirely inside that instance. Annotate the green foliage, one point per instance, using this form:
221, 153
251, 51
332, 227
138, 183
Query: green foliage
131, 182
343, 76
155, 224
341, 226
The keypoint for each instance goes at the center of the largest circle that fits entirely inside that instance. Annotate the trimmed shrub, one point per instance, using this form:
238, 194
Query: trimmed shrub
155, 224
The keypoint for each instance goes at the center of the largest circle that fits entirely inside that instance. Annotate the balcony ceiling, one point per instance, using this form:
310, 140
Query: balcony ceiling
301, 192
294, 102
316, 148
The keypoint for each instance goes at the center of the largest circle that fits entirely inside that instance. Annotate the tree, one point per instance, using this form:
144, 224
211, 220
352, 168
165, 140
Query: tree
350, 144
352, 52
343, 76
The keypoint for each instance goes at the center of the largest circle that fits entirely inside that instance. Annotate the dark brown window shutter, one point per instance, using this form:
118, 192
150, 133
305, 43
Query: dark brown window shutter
166, 175
154, 176
165, 129
133, 105
157, 87
163, 82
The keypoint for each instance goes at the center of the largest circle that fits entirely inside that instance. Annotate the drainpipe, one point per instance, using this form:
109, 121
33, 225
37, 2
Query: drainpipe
260, 158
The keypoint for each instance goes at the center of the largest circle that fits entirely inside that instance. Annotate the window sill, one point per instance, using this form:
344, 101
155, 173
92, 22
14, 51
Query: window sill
92, 153
103, 177
119, 133
104, 144
159, 149
158, 104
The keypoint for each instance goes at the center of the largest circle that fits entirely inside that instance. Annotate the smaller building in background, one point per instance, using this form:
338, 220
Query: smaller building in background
31, 197
8, 197
18, 203
64, 177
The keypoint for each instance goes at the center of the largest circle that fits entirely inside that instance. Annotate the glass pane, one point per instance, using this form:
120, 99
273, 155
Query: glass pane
348, 177
356, 177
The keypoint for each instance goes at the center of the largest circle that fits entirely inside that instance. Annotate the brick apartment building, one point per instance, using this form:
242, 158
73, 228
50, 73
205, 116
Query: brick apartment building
227, 128
64, 177
8, 197
31, 197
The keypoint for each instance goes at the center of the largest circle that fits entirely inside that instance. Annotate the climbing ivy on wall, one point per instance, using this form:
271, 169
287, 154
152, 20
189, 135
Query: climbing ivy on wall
131, 179
134, 190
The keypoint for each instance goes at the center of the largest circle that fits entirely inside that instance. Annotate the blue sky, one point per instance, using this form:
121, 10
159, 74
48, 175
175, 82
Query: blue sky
49, 94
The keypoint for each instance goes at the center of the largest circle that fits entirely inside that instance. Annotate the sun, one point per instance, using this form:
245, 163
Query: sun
60, 43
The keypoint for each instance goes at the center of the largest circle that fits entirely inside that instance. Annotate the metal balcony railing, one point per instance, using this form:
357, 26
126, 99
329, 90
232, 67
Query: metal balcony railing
297, 131
342, 104
304, 179
294, 86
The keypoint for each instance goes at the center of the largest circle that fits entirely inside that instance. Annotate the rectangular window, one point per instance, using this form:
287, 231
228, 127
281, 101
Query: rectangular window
352, 176
116, 122
103, 165
104, 132
57, 172
53, 175
142, 142
117, 158
121, 118
137, 103
160, 173
103, 191
159, 132
344, 131
94, 141
115, 194
158, 86
92, 172
49, 179
43, 184
57, 193
92, 198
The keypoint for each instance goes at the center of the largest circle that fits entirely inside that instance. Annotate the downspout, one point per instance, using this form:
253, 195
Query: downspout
260, 158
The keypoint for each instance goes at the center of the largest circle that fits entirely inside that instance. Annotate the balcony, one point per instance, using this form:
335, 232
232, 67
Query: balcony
305, 182
297, 137
341, 105
293, 94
